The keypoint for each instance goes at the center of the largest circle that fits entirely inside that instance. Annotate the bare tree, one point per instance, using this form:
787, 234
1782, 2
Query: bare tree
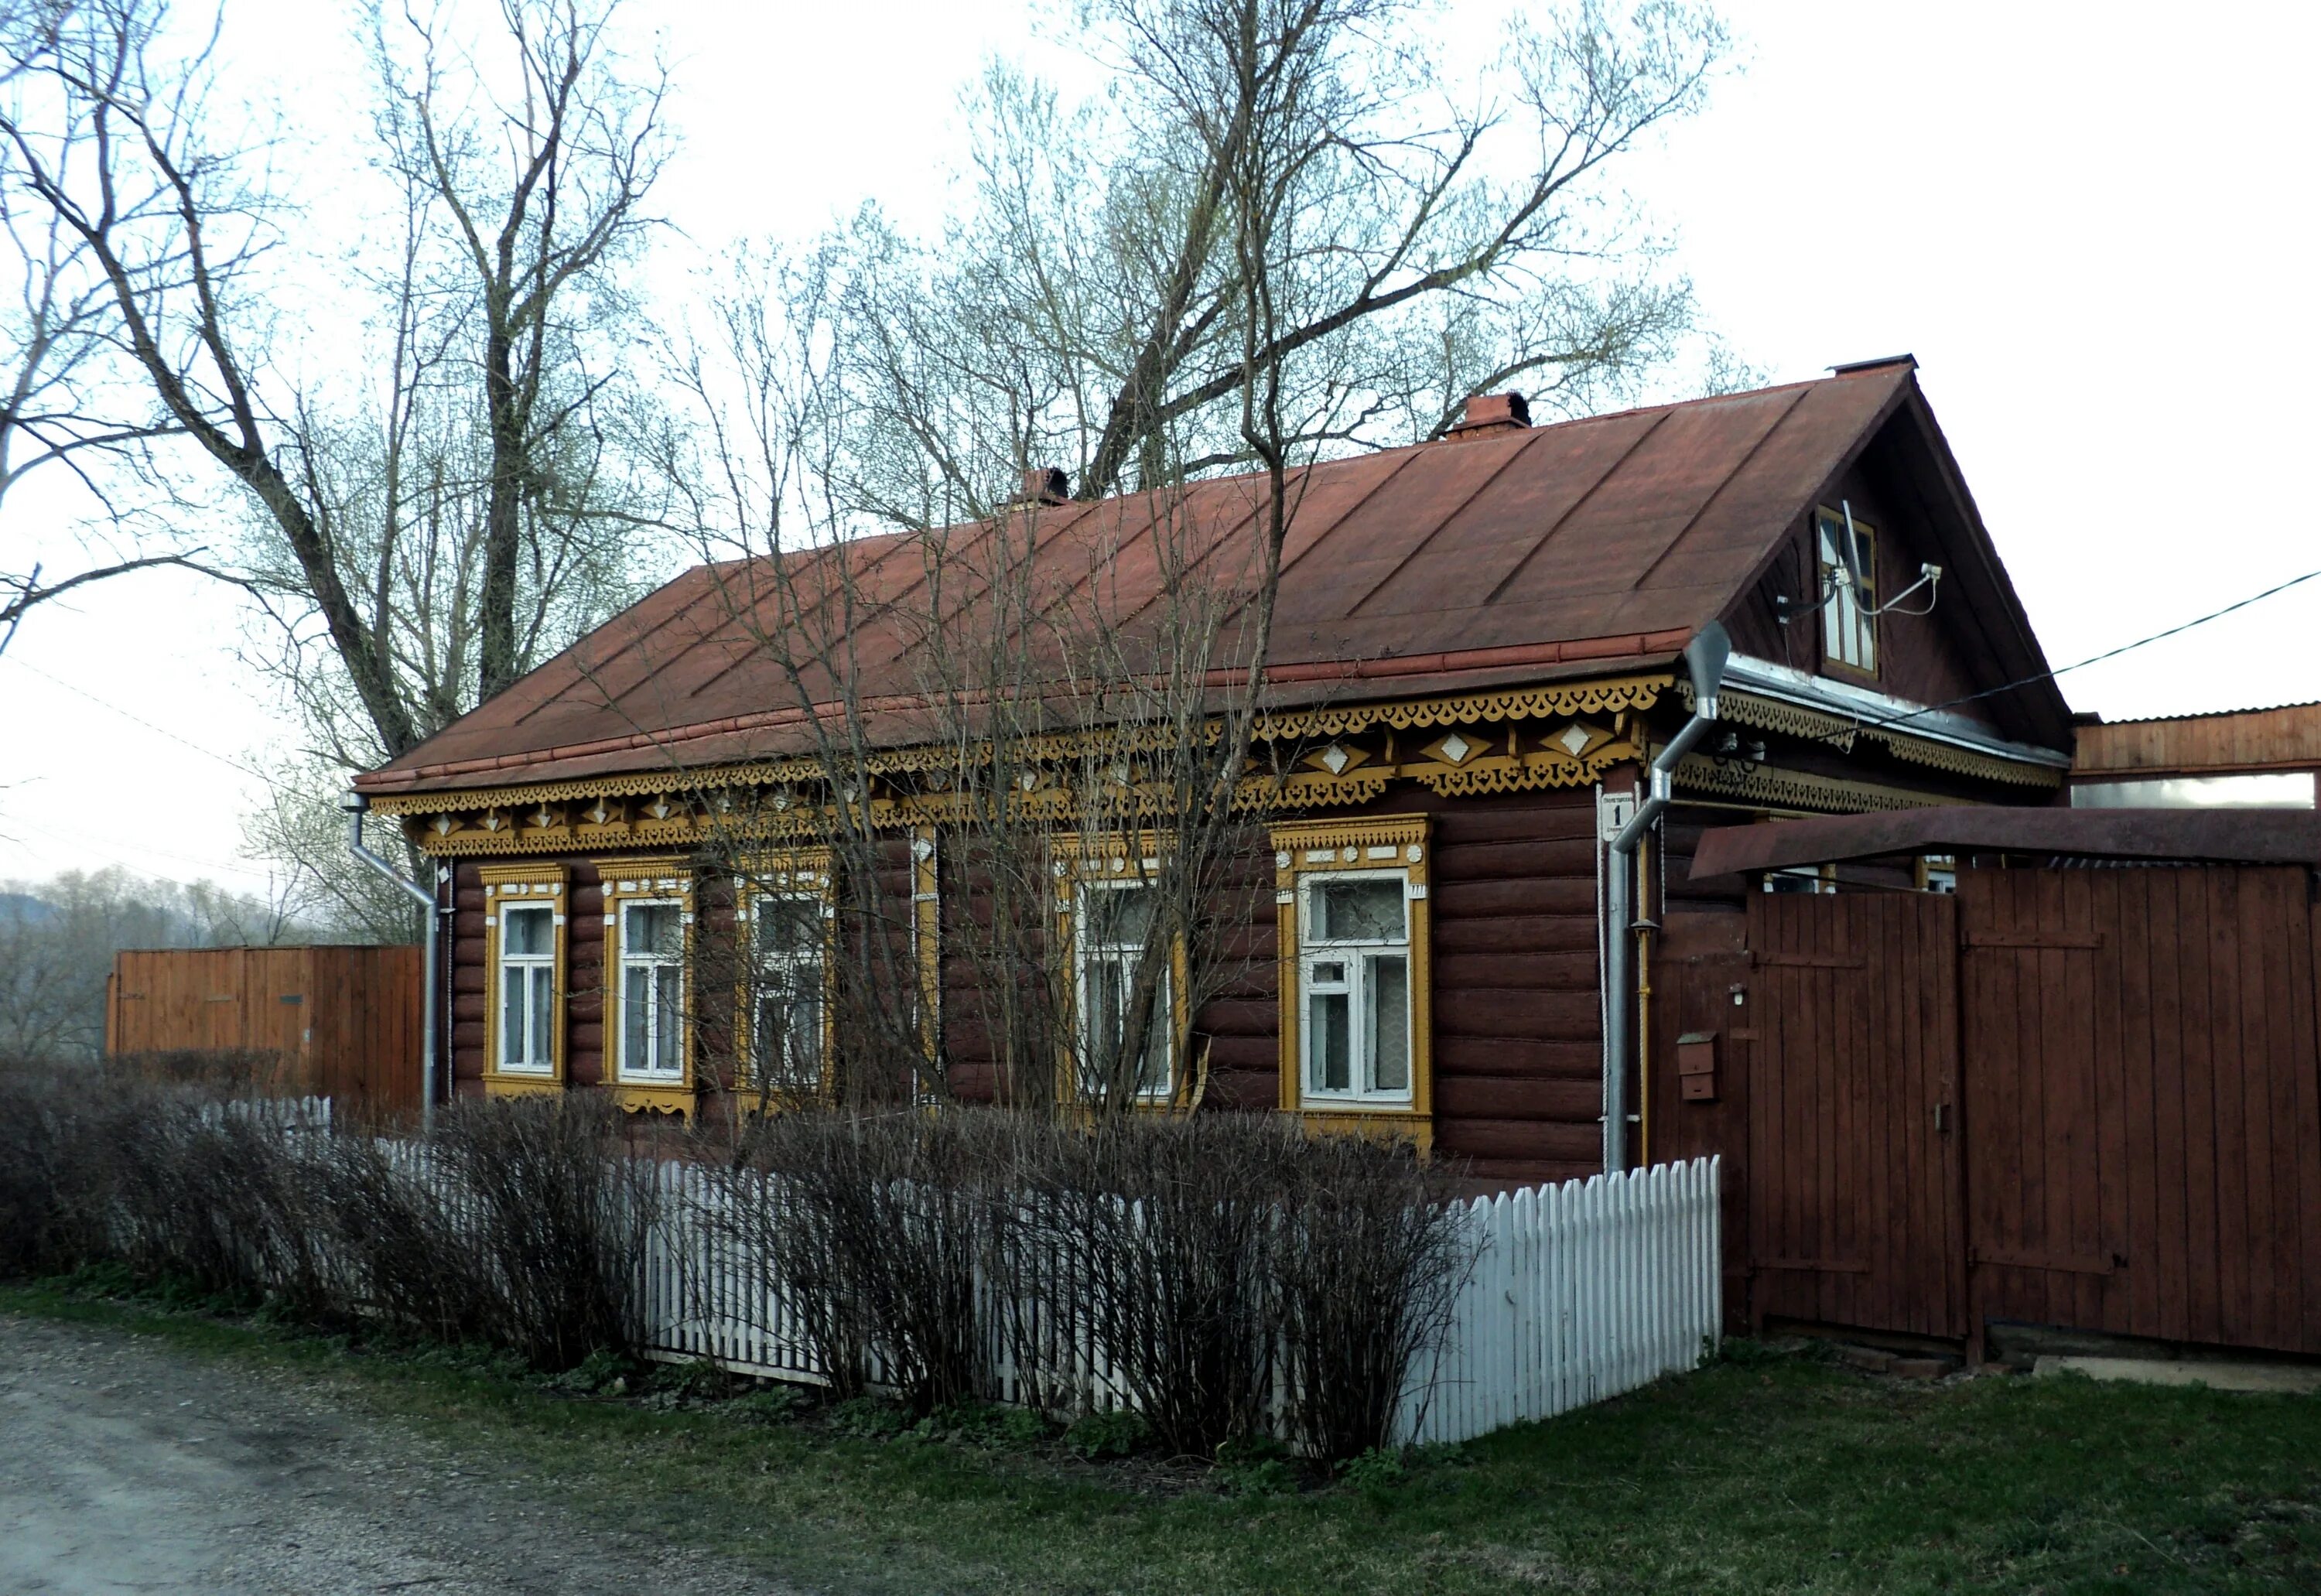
419, 521
1088, 307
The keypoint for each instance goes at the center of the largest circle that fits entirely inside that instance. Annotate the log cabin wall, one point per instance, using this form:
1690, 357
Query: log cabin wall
584, 995
1517, 1021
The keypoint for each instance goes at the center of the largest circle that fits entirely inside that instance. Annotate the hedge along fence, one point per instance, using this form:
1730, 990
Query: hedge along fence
1434, 1322
1220, 1276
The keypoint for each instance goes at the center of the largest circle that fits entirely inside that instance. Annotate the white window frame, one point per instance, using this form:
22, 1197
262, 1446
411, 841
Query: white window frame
1356, 957
789, 962
1087, 953
630, 960
535, 968
1849, 626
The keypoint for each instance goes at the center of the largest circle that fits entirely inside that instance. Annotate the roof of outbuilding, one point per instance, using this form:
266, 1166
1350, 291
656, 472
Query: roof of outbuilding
1498, 556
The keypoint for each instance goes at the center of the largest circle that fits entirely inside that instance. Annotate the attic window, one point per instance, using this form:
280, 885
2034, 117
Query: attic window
1849, 584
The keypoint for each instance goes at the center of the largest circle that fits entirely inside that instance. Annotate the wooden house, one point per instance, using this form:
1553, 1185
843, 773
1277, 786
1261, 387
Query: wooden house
1476, 651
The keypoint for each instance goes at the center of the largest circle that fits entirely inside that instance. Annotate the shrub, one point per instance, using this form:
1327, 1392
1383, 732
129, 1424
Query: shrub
1370, 1254
874, 1222
559, 1217
1114, 1432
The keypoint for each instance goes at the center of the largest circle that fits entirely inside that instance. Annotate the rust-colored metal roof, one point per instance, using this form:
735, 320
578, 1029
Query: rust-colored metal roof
2250, 837
2287, 737
1507, 554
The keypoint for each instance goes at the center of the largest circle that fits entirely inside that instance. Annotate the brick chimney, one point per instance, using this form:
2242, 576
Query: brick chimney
1045, 485
1489, 413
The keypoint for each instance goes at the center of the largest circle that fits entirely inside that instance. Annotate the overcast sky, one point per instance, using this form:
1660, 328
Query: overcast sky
2093, 225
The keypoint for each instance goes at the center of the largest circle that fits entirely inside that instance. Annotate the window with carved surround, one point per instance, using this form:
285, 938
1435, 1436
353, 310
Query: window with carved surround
1350, 898
1108, 897
649, 927
524, 941
786, 921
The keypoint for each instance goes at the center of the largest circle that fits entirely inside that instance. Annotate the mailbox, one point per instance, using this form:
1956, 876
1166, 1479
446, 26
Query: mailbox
1696, 1067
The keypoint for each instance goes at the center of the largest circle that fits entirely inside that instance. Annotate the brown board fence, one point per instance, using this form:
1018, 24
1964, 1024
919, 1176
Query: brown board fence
343, 1021
2083, 1097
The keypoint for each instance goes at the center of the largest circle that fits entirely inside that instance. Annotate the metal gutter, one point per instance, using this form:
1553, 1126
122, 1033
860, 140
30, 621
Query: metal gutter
1881, 712
354, 804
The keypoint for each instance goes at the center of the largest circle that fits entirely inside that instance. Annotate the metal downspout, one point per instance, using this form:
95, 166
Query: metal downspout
1705, 658
355, 804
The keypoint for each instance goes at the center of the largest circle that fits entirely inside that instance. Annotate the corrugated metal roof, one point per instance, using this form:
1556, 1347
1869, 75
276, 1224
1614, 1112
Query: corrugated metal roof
1501, 555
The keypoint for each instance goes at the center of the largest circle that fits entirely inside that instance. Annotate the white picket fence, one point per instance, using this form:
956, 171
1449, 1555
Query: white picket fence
1580, 1293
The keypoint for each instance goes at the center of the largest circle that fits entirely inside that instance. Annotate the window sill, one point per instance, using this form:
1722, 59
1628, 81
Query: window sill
674, 1096
496, 1085
1384, 1125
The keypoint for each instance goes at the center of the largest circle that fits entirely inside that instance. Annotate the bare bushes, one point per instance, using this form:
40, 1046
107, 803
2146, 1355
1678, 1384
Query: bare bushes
522, 1225
874, 1223
556, 1214
1370, 1259
1224, 1276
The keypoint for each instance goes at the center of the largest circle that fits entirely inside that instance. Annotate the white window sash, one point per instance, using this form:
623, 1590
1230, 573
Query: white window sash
1358, 958
1090, 954
657, 1014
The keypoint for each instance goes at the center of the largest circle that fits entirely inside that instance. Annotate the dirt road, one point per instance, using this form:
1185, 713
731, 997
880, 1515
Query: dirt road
127, 1466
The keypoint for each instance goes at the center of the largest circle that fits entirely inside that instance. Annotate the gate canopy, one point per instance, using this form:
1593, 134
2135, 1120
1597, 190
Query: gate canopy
2223, 836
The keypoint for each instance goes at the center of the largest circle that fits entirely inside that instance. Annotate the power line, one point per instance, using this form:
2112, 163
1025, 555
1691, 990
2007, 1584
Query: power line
1870, 725
148, 725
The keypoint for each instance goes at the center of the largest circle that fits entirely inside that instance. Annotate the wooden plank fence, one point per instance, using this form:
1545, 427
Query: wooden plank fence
1580, 1291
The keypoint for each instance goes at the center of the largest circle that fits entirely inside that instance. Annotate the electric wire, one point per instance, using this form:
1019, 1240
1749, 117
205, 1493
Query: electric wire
247, 770
1872, 725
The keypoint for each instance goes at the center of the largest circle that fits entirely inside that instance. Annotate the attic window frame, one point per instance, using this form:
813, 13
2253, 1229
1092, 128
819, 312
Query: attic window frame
1843, 608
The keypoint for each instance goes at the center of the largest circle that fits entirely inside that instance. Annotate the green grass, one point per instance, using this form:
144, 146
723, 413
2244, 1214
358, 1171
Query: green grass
1763, 1474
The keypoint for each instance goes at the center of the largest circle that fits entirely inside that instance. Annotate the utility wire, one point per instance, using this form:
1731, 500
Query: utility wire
22, 663
1870, 725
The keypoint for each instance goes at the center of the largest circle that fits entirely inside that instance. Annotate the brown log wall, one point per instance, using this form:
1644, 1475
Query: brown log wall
1517, 1044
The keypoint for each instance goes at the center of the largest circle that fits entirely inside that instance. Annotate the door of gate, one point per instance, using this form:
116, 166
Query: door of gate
1855, 1195
2143, 1100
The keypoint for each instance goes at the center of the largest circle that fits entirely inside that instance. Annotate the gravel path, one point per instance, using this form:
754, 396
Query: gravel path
126, 1465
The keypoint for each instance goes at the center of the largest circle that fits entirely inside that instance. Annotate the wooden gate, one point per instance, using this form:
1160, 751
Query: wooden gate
2142, 1100
2084, 1097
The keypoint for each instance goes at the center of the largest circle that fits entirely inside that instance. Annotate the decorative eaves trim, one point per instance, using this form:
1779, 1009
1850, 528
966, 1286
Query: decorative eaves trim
1775, 699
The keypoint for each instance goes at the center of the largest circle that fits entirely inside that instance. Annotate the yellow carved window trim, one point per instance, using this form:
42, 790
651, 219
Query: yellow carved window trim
789, 874
636, 882
1105, 863
530, 887
1306, 854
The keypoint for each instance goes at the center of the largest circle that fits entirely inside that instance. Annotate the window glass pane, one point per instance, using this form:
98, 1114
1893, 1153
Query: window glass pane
1330, 974
789, 926
1390, 1023
511, 1013
1152, 1071
653, 929
1360, 911
1105, 986
667, 996
1118, 916
636, 1016
1327, 1020
543, 997
525, 931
